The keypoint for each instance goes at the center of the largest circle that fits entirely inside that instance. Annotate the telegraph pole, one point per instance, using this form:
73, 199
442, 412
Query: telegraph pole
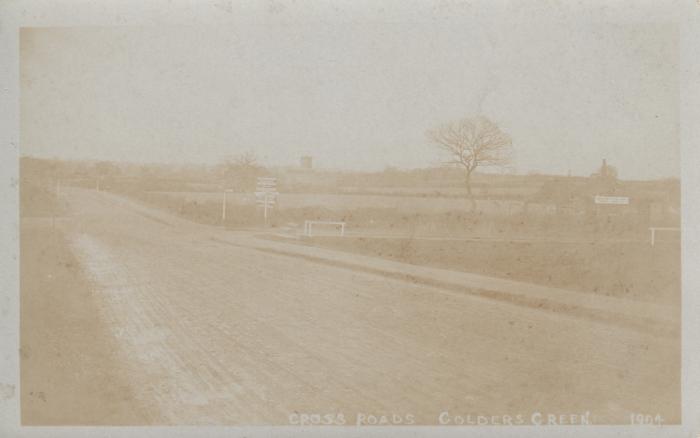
223, 206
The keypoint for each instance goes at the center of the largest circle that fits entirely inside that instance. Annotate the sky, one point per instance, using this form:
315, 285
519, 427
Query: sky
355, 94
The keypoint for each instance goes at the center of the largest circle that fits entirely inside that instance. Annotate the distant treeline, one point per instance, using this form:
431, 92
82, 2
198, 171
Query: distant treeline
431, 181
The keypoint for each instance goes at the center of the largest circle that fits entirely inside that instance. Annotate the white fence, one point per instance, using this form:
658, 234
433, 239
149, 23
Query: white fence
308, 225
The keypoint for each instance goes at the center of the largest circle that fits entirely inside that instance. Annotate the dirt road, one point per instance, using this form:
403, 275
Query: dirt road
213, 333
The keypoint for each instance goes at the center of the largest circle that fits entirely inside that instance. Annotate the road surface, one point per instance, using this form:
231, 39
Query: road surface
213, 333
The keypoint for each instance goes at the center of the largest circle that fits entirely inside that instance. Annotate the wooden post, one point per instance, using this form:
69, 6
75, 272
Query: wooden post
223, 209
265, 208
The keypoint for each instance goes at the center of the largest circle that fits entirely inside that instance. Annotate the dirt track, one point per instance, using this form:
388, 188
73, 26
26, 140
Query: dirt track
211, 333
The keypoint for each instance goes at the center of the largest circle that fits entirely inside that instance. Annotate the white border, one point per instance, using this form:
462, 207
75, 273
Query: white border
15, 14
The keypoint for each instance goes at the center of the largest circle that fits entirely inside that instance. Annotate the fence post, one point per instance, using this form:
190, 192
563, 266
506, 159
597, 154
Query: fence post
223, 209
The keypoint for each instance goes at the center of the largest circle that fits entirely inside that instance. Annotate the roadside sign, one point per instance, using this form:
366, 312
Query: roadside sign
265, 184
615, 200
266, 193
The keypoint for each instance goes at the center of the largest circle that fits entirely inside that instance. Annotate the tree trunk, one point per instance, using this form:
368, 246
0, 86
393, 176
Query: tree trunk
467, 183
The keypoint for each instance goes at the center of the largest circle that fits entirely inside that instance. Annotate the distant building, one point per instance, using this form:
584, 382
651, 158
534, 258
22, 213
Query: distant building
606, 171
306, 162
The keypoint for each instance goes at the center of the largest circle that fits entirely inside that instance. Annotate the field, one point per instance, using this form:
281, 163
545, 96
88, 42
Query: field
533, 242
427, 203
37, 201
623, 269
515, 192
397, 215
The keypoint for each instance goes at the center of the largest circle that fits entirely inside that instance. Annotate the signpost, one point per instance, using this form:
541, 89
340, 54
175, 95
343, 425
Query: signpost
266, 194
614, 200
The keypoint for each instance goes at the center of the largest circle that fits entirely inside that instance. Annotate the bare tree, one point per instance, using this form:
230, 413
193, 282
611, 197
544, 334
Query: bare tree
472, 143
246, 160
240, 171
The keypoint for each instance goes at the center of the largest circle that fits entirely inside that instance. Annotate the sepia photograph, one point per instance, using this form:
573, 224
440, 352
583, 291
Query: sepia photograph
451, 215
